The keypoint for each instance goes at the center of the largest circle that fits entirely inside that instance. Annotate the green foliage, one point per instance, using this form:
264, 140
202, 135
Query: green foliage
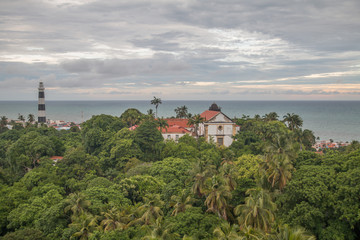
25, 234
114, 183
149, 139
193, 222
131, 117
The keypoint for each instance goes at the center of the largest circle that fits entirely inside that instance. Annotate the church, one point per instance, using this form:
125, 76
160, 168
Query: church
217, 126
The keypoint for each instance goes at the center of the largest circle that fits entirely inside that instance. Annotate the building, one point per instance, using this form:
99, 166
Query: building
177, 128
41, 104
217, 126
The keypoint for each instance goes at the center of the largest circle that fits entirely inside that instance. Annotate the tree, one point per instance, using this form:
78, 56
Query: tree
181, 112
217, 197
294, 121
131, 116
180, 202
258, 210
156, 101
163, 124
150, 210
77, 203
149, 139
287, 233
3, 121
115, 219
31, 118
196, 120
272, 116
226, 231
86, 225
278, 170
21, 117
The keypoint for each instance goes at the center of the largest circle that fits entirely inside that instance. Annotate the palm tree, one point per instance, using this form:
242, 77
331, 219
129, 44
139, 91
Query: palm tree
86, 224
77, 204
272, 116
298, 233
131, 116
180, 202
181, 112
115, 219
150, 210
279, 171
156, 101
21, 117
162, 123
258, 210
226, 231
217, 197
228, 173
294, 121
31, 118
277, 165
161, 231
196, 120
3, 121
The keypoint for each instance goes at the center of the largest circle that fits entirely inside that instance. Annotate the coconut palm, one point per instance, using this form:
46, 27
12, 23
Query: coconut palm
150, 210
272, 116
196, 120
3, 121
77, 204
131, 116
218, 196
294, 121
162, 123
226, 231
297, 233
31, 118
258, 210
86, 224
198, 187
279, 171
180, 202
156, 101
161, 231
21, 117
181, 112
115, 219
250, 233
228, 173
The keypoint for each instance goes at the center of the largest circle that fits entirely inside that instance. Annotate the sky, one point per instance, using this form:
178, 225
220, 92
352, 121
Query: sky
180, 49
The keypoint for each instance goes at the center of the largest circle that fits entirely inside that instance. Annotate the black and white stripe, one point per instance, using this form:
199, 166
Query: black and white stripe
41, 104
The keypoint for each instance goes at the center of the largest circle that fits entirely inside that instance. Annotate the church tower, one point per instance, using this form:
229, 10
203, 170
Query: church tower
41, 104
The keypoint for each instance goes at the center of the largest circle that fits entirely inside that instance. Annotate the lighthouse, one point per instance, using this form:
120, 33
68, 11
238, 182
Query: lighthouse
41, 104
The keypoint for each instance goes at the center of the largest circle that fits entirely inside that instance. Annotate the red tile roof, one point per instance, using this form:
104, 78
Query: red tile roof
56, 158
182, 122
175, 129
208, 114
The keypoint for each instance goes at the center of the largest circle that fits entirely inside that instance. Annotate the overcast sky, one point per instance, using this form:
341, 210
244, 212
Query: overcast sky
180, 49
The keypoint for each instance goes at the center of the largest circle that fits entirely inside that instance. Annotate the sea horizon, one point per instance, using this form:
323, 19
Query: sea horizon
329, 119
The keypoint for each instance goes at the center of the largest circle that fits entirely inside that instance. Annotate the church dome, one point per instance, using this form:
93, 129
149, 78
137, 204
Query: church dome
214, 107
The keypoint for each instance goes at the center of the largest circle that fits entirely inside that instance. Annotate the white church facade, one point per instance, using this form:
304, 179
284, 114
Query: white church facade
217, 127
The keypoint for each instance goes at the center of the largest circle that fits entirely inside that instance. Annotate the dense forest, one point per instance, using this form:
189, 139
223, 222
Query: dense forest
113, 183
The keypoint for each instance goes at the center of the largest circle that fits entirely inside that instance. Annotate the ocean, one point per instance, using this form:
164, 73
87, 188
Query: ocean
337, 120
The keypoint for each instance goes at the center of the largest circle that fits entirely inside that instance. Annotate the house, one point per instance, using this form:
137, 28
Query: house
174, 132
177, 128
217, 126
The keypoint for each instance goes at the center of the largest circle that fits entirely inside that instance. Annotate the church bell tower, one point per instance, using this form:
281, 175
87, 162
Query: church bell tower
41, 104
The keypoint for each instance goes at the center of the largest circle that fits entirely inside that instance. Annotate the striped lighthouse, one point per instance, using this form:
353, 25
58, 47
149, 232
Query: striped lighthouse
41, 104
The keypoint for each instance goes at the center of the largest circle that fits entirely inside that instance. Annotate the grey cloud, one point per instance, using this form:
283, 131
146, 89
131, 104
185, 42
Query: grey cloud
120, 68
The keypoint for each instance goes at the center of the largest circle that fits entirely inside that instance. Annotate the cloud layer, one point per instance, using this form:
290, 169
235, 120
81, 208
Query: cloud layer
103, 49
